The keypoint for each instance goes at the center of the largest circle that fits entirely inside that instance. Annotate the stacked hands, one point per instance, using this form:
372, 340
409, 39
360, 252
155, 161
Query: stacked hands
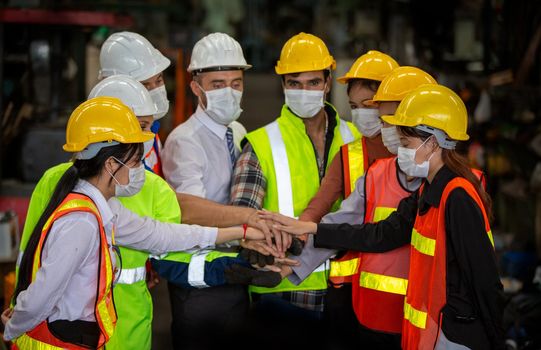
272, 237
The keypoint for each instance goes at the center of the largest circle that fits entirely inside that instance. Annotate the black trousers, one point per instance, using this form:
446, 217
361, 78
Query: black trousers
340, 319
344, 328
82, 333
209, 317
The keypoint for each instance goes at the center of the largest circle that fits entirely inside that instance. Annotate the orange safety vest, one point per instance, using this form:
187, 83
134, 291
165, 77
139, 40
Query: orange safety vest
152, 158
40, 338
380, 285
426, 295
354, 161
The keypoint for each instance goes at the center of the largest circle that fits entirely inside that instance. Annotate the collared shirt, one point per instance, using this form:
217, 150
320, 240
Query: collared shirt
65, 284
196, 159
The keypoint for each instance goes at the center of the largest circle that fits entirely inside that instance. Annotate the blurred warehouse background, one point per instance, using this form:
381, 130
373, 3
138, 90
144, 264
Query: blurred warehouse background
488, 51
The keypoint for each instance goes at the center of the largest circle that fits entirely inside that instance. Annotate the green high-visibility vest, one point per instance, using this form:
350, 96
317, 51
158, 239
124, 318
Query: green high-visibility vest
288, 162
132, 299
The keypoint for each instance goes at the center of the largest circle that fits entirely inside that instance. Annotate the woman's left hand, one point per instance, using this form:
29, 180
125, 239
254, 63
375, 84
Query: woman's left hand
6, 315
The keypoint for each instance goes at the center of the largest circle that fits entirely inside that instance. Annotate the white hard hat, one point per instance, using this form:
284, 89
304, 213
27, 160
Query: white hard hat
131, 92
217, 51
131, 54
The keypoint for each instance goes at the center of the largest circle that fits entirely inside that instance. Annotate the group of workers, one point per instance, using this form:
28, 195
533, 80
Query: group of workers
392, 247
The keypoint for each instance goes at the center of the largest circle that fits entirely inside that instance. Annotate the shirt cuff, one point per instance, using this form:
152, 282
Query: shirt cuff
7, 333
325, 236
208, 237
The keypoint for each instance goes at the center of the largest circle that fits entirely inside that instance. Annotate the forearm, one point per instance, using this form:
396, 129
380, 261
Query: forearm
233, 233
144, 233
200, 211
385, 235
177, 272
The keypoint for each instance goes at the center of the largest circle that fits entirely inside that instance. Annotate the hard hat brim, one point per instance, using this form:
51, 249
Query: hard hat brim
343, 79
393, 120
160, 67
219, 68
142, 137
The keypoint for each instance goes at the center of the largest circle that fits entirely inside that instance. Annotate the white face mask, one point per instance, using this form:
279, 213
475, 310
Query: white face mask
390, 139
147, 145
367, 121
223, 105
305, 103
159, 97
136, 181
406, 162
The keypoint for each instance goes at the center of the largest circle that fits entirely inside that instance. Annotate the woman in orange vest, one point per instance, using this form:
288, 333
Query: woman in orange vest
454, 298
63, 298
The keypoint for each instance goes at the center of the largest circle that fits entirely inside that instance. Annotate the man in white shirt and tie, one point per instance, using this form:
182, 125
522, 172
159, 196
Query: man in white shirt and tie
198, 156
198, 159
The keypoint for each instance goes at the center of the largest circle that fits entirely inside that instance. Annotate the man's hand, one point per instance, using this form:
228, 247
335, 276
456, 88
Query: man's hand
238, 274
255, 258
296, 246
262, 225
260, 246
280, 239
286, 224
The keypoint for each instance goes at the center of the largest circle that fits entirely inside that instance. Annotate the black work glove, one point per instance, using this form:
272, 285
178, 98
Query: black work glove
256, 258
238, 274
296, 246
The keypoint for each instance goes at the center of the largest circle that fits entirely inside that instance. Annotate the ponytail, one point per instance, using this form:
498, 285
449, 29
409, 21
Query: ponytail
63, 188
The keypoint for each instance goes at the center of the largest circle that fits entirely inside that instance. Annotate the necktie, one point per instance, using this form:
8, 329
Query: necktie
230, 145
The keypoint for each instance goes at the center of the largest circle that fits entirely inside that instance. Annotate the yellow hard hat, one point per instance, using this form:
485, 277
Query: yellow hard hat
103, 119
373, 65
304, 53
435, 106
400, 82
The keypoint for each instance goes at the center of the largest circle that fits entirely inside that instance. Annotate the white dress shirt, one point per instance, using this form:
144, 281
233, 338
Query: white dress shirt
65, 284
196, 159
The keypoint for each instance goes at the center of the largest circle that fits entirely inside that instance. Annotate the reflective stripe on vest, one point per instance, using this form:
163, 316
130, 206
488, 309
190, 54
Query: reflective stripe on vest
423, 244
415, 317
380, 286
131, 276
354, 163
288, 163
427, 291
105, 313
196, 269
383, 283
344, 268
281, 166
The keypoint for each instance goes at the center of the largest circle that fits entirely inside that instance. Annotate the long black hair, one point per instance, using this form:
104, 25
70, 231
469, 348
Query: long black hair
81, 169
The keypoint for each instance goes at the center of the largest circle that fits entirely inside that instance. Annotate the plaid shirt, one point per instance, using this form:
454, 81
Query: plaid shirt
249, 189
